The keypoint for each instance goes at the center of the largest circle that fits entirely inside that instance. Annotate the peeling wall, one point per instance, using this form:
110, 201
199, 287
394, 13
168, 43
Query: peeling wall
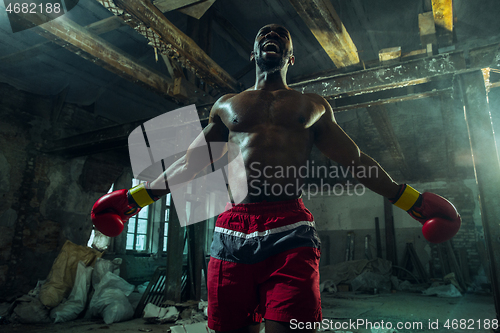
45, 199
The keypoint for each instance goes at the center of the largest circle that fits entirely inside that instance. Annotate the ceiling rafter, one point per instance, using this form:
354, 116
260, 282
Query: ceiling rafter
197, 10
90, 46
98, 28
166, 38
169, 5
326, 26
334, 85
442, 10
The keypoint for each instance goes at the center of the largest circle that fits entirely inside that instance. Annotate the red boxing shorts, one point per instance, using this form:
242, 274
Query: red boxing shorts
264, 264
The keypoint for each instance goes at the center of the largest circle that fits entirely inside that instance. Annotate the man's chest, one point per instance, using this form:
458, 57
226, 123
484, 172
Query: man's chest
288, 109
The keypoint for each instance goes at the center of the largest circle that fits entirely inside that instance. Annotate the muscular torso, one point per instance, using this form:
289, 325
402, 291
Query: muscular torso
274, 132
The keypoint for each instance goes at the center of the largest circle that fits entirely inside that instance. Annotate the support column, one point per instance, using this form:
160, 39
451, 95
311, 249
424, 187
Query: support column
486, 167
175, 249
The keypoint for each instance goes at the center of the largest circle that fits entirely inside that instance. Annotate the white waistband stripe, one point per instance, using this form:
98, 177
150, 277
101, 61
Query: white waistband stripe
263, 233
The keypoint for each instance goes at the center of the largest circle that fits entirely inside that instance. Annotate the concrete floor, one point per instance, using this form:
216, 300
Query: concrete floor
343, 312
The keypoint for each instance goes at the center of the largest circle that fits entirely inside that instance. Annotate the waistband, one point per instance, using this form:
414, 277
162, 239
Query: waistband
266, 206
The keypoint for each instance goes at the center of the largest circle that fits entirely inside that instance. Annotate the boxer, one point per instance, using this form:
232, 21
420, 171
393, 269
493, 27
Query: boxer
265, 252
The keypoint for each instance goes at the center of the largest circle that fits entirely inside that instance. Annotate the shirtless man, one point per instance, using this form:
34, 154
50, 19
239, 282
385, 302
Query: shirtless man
265, 253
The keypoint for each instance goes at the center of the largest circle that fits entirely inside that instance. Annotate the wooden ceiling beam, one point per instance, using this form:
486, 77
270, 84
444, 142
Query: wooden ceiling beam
193, 8
98, 28
442, 11
169, 5
326, 26
335, 84
93, 48
143, 16
197, 10
392, 76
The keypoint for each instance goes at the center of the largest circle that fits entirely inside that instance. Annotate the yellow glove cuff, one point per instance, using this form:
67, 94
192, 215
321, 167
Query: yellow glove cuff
141, 195
408, 198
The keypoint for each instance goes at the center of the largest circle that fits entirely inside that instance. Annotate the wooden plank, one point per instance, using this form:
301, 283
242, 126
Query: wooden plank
197, 10
95, 49
151, 288
108, 24
442, 11
173, 69
169, 5
427, 28
321, 18
164, 34
391, 53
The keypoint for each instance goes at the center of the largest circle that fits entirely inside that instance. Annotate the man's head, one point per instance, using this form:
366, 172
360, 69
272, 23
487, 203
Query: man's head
273, 49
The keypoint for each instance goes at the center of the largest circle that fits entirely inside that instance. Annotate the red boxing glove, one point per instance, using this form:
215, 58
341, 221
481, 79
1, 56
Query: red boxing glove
110, 213
439, 217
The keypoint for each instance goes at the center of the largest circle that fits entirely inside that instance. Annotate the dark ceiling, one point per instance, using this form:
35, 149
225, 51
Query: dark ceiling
31, 63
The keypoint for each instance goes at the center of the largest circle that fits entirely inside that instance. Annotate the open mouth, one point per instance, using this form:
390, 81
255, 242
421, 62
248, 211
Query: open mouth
271, 47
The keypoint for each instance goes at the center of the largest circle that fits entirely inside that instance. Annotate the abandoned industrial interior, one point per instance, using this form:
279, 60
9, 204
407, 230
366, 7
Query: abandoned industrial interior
415, 84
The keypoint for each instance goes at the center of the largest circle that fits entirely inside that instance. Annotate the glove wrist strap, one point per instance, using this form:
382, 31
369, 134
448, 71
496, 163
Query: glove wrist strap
407, 198
141, 195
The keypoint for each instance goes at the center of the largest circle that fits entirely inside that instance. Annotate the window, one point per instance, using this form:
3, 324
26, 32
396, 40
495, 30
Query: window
137, 231
147, 231
167, 219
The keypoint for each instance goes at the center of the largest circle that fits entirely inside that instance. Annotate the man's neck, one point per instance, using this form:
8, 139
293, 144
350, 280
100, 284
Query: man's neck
270, 81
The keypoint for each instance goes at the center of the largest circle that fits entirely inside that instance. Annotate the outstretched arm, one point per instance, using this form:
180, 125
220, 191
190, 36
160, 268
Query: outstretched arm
335, 144
194, 161
112, 211
438, 216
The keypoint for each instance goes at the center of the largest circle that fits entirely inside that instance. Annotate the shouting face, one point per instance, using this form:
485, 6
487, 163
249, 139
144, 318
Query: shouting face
273, 48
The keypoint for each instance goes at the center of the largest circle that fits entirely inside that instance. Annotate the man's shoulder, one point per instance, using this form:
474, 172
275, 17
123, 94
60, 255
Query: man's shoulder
219, 104
225, 98
315, 98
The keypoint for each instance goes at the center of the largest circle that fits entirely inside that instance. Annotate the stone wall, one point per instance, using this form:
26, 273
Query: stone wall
45, 199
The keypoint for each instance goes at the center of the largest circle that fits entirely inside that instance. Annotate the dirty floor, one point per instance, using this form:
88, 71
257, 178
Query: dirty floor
342, 312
